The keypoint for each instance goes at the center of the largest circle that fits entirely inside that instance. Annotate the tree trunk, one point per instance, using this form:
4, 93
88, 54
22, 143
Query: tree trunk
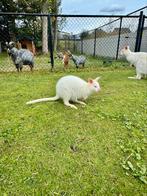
45, 28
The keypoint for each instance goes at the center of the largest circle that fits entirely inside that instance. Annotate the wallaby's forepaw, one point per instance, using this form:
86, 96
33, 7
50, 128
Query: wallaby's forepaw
70, 105
74, 107
132, 77
81, 102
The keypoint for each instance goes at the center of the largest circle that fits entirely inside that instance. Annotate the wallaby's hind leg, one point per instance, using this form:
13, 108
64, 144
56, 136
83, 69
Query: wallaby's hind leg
21, 69
31, 68
31, 65
138, 77
69, 105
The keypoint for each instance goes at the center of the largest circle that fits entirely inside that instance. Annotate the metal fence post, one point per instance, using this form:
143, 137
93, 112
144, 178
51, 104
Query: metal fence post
139, 32
81, 46
74, 43
50, 41
65, 45
68, 43
119, 33
94, 49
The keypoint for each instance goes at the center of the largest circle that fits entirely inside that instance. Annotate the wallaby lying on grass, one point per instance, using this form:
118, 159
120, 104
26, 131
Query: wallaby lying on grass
72, 88
138, 59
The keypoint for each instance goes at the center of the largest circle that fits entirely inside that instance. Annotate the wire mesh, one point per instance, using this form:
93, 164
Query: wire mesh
26, 33
100, 36
144, 37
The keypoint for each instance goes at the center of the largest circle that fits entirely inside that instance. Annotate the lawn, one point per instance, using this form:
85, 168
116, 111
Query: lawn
50, 149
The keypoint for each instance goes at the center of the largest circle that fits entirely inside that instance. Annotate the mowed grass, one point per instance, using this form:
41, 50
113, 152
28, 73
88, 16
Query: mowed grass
42, 62
50, 149
6, 63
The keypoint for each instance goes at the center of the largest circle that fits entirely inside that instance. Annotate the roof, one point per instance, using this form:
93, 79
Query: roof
24, 37
123, 29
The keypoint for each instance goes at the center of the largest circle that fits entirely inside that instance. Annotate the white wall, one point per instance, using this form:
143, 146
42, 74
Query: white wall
107, 46
144, 42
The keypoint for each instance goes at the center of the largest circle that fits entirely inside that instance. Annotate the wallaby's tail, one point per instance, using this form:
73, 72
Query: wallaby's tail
43, 99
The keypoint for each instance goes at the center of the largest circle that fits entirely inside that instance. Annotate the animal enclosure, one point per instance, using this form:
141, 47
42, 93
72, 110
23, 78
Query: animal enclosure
50, 149
100, 36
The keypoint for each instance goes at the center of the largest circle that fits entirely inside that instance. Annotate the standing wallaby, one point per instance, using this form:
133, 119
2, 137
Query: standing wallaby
72, 88
66, 59
79, 60
138, 59
20, 57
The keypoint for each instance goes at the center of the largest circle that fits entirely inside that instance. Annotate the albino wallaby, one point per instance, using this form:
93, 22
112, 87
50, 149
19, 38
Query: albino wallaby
72, 88
138, 59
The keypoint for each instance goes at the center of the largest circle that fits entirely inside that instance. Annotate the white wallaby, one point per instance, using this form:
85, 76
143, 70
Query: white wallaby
72, 88
138, 59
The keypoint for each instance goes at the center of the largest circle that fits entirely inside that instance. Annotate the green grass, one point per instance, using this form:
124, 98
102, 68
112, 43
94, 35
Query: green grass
42, 63
6, 64
50, 149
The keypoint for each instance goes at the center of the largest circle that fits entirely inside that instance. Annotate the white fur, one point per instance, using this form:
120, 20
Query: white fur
138, 59
72, 88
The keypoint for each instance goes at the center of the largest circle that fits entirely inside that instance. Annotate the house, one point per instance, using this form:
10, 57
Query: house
99, 33
63, 35
123, 30
26, 42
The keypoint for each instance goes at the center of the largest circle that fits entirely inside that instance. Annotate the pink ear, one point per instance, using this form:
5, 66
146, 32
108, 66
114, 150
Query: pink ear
90, 81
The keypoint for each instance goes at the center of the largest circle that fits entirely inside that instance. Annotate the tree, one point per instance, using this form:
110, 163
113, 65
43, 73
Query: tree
84, 34
44, 9
31, 6
49, 6
55, 21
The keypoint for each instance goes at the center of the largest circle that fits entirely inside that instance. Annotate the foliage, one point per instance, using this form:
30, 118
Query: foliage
134, 152
84, 34
27, 25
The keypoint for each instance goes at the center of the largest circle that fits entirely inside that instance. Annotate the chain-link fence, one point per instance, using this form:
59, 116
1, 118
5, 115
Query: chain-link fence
27, 33
102, 36
43, 35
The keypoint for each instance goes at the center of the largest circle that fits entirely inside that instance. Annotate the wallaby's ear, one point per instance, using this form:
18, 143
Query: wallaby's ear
11, 44
126, 47
96, 79
7, 44
90, 81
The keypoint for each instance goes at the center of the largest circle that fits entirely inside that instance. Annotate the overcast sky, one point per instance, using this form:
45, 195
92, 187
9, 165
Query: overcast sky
98, 7
101, 6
